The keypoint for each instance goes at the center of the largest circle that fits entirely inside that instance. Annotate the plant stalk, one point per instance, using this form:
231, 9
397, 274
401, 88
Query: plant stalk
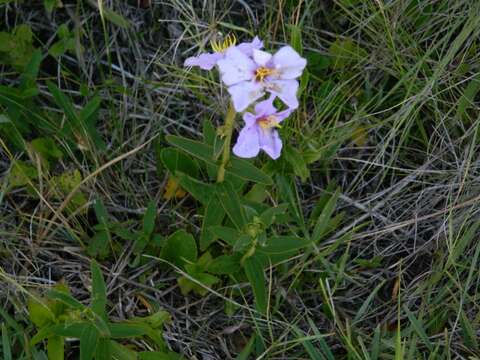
227, 132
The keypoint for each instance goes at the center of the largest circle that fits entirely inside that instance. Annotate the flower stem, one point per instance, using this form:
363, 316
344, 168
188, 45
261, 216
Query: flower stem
227, 131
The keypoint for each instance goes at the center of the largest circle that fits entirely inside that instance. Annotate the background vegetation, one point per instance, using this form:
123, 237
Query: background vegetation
360, 242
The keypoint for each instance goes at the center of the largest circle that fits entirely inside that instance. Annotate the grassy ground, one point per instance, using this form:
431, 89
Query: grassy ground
380, 173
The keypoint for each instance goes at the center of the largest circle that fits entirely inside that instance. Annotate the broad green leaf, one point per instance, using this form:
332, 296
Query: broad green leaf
230, 202
283, 245
254, 271
227, 234
121, 352
180, 249
149, 218
46, 148
74, 330
175, 160
66, 299
104, 349
99, 291
51, 5
214, 214
268, 216
128, 330
225, 264
55, 348
296, 160
88, 342
21, 173
29, 75
199, 190
40, 314
98, 246
186, 285
237, 167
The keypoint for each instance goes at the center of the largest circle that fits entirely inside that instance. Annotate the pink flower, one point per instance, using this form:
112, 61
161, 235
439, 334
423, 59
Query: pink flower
260, 131
248, 78
207, 61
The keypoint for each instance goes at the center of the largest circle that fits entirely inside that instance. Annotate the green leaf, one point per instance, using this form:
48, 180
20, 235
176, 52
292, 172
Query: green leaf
237, 167
418, 327
468, 332
98, 246
225, 264
180, 249
214, 214
55, 348
199, 190
175, 160
296, 37
121, 352
227, 234
115, 18
468, 96
268, 216
128, 330
104, 349
160, 355
288, 192
99, 291
66, 299
248, 349
88, 342
51, 5
149, 218
7, 351
46, 148
254, 271
40, 314
322, 225
296, 160
230, 202
21, 174
283, 245
64, 102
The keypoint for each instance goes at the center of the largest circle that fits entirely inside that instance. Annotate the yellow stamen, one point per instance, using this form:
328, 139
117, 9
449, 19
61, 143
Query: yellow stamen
222, 45
262, 72
268, 122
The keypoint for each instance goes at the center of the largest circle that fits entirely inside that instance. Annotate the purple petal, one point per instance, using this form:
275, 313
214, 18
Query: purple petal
244, 93
289, 63
271, 143
265, 107
282, 115
261, 57
205, 61
247, 145
250, 119
236, 67
286, 90
248, 47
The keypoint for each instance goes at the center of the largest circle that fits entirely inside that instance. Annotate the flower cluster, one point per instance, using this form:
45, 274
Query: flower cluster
250, 75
